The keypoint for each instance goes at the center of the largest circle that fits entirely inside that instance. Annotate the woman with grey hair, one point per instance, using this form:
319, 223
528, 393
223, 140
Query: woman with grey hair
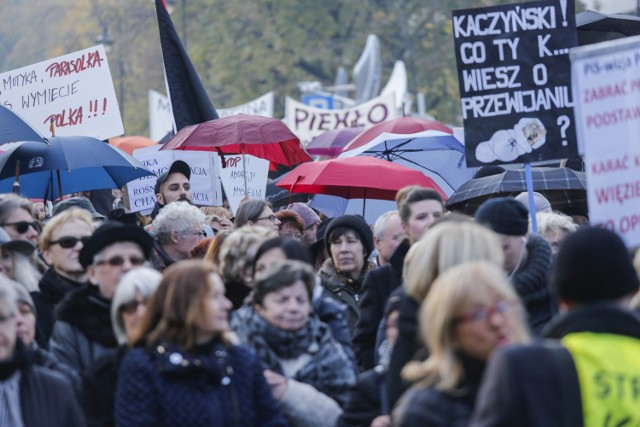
29, 394
256, 212
127, 309
16, 218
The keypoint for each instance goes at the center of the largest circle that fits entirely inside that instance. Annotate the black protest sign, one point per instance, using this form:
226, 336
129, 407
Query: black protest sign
515, 81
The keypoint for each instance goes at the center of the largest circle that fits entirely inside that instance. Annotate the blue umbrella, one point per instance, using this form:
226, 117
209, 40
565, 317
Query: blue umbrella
13, 128
65, 165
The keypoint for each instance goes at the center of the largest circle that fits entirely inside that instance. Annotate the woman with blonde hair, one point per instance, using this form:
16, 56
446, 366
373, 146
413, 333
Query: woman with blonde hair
471, 310
448, 243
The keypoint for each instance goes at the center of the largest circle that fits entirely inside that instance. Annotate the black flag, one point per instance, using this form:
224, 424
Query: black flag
189, 100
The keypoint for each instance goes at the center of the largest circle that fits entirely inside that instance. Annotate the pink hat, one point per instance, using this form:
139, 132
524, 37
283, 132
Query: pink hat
307, 214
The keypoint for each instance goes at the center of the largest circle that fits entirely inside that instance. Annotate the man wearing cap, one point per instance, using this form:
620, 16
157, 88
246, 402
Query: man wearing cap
311, 221
61, 241
172, 186
526, 258
83, 331
588, 372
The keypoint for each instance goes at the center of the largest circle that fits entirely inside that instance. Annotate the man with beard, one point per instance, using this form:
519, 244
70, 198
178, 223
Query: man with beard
172, 186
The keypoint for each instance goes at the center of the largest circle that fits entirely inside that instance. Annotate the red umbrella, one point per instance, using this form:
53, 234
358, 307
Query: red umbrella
258, 136
360, 177
404, 125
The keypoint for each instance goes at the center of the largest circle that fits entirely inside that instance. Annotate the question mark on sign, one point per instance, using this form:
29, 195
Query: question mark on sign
563, 122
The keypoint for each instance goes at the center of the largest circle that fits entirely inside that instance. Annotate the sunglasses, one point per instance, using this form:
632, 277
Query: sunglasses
67, 242
118, 261
132, 307
23, 226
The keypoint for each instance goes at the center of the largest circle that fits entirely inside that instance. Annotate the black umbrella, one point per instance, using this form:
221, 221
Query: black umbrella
594, 27
563, 187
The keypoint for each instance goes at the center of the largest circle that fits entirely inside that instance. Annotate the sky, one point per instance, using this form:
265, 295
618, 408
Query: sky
613, 6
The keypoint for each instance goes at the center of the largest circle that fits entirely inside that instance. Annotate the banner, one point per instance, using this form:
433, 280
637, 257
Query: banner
514, 77
606, 88
160, 116
205, 178
262, 106
74, 90
307, 122
232, 178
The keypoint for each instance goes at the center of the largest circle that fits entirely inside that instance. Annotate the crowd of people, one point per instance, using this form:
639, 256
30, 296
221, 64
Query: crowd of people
279, 316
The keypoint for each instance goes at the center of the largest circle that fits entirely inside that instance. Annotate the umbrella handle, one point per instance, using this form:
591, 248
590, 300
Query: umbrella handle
16, 185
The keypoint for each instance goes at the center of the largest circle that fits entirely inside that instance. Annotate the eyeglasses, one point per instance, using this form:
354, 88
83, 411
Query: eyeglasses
67, 242
118, 261
132, 307
271, 218
23, 226
482, 314
200, 233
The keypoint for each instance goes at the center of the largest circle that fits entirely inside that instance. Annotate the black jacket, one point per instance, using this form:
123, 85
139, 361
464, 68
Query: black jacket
378, 285
364, 401
531, 386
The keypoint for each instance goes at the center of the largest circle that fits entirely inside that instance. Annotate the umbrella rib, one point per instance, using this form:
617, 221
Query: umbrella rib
422, 167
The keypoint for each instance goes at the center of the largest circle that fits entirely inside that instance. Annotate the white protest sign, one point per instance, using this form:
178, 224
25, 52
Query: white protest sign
232, 178
606, 90
205, 181
262, 106
74, 90
160, 116
307, 122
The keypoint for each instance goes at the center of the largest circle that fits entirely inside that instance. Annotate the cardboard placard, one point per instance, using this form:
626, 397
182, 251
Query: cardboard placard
232, 178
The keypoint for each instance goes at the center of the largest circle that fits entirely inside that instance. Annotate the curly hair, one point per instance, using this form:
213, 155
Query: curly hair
175, 216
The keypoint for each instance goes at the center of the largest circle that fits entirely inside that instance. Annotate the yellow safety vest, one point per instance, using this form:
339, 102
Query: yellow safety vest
608, 369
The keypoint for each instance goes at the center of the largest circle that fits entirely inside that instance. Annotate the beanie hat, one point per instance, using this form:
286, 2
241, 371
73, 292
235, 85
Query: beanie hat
504, 215
593, 264
306, 213
540, 203
355, 223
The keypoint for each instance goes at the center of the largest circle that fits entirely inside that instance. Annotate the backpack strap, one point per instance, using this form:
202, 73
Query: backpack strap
569, 384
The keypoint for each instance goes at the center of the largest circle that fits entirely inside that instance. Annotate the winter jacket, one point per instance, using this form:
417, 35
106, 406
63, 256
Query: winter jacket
214, 385
83, 330
333, 313
378, 285
364, 402
537, 385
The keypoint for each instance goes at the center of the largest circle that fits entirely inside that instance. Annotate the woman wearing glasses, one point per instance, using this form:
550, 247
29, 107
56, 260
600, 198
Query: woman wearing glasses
83, 329
471, 310
256, 212
16, 217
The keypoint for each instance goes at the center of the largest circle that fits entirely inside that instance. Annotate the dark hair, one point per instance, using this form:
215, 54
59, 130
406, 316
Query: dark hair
414, 196
337, 232
283, 275
292, 249
249, 210
175, 308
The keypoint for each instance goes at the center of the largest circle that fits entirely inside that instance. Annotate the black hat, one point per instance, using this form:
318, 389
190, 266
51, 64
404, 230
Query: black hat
504, 215
114, 232
177, 166
357, 224
593, 264
77, 202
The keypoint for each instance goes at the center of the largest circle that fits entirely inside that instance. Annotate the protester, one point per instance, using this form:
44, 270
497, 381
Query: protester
16, 218
555, 227
79, 203
173, 186
387, 236
308, 371
177, 229
128, 308
61, 241
587, 376
450, 242
318, 249
291, 225
418, 208
15, 261
349, 240
217, 217
311, 221
83, 330
526, 258
256, 212
540, 203
183, 369
213, 251
470, 310
30, 395
200, 250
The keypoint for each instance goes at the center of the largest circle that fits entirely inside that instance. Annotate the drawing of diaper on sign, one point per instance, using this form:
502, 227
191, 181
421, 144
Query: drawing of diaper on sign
507, 145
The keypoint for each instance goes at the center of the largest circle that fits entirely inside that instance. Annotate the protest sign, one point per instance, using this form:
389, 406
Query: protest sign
205, 179
606, 89
262, 106
74, 92
233, 182
307, 122
514, 77
160, 116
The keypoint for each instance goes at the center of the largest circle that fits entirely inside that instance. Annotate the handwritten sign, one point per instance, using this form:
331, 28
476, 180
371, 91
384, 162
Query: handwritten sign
205, 180
262, 106
74, 90
306, 121
606, 87
160, 116
514, 78
232, 178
